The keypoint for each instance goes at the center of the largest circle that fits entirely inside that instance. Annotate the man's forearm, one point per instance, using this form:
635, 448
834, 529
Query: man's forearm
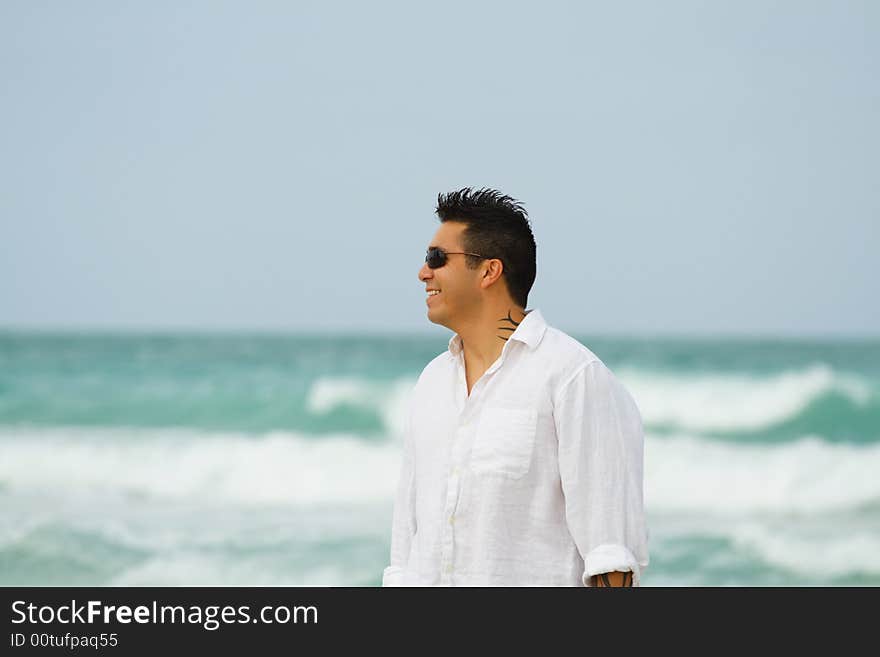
614, 578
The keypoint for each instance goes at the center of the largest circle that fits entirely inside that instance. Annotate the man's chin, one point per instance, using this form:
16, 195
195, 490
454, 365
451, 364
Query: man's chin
436, 318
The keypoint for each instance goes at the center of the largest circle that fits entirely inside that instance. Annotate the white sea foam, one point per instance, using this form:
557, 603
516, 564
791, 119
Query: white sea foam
278, 467
390, 398
816, 548
201, 569
682, 473
690, 402
699, 402
820, 555
810, 475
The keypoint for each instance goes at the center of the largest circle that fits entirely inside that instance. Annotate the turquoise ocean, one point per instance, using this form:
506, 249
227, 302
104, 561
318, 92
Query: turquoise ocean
232, 459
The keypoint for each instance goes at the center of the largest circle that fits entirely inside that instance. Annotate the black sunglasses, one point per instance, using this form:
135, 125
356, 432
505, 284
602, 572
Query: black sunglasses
437, 257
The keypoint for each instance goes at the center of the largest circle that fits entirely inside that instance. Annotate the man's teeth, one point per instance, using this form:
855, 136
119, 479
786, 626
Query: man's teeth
433, 292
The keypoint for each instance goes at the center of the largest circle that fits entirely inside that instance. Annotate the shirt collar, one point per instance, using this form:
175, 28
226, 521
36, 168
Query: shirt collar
530, 331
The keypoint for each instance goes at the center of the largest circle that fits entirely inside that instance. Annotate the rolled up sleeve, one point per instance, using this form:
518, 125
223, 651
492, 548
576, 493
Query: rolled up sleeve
601, 452
403, 525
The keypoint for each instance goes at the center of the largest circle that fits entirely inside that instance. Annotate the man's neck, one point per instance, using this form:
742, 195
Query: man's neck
484, 338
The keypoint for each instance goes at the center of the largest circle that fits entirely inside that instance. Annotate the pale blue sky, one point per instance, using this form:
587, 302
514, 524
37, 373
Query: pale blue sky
693, 168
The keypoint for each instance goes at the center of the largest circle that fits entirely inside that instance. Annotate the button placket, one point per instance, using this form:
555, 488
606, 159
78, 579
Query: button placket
447, 548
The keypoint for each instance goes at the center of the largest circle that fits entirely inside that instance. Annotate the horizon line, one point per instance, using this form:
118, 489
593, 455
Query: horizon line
242, 331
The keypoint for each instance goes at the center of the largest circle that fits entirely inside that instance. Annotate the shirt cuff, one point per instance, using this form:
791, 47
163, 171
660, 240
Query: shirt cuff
393, 576
609, 557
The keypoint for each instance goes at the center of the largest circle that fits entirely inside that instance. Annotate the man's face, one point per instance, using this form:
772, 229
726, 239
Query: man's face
459, 286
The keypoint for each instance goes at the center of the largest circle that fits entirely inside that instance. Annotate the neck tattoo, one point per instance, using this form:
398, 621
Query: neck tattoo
507, 320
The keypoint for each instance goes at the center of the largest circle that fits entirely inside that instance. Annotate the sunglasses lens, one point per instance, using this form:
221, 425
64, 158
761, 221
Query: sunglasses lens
435, 258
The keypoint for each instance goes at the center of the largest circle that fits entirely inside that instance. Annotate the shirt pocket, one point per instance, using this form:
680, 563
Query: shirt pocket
504, 441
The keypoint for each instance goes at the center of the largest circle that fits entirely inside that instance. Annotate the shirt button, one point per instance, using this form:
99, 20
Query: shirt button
451, 520
448, 569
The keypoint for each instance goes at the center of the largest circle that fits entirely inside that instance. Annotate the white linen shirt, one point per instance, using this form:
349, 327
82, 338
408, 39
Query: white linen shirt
534, 479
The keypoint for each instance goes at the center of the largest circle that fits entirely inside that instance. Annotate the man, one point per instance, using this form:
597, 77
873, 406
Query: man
523, 453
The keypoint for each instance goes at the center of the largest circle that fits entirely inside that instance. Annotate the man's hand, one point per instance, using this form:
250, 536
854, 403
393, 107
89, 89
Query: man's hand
614, 578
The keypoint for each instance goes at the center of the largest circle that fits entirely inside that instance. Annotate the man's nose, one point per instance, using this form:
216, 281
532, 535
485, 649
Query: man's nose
424, 272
